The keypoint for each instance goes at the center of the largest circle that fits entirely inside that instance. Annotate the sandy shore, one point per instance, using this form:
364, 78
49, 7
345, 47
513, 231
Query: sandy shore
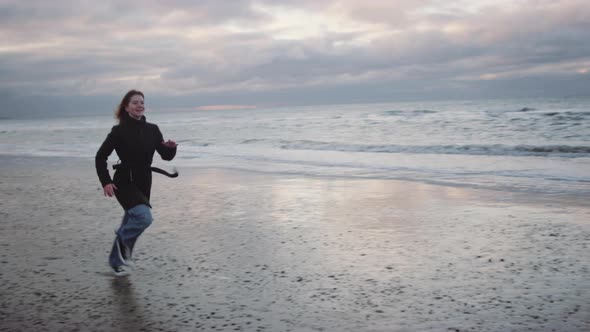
237, 251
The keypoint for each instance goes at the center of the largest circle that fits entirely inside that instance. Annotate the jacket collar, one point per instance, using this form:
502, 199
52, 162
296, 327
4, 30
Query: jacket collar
125, 118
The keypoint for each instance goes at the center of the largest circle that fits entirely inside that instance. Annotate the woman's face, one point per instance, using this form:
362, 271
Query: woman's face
135, 107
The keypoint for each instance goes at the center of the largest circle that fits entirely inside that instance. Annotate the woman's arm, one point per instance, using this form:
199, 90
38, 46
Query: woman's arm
100, 161
167, 150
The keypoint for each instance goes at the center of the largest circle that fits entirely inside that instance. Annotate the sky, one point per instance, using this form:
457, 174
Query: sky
83, 55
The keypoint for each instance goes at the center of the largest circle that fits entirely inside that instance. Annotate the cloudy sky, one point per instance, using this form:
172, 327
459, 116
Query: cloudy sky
85, 53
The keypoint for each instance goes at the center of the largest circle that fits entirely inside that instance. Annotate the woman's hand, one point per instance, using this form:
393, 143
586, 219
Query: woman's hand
169, 144
109, 189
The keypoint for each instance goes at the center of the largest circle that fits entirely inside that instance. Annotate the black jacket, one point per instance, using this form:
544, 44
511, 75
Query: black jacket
135, 142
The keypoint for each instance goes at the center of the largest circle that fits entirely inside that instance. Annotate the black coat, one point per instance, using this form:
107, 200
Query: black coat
135, 142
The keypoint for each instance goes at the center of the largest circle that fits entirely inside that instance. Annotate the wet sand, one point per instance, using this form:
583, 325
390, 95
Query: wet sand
238, 251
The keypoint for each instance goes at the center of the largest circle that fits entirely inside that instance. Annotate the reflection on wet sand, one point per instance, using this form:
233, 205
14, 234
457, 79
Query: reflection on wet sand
129, 312
233, 251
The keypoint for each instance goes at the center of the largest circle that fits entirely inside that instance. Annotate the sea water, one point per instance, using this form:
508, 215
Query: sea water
534, 145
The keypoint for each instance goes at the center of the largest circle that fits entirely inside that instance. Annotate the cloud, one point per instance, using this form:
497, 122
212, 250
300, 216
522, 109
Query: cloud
211, 49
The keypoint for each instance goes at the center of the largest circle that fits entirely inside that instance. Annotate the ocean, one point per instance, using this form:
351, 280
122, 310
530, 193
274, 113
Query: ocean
537, 146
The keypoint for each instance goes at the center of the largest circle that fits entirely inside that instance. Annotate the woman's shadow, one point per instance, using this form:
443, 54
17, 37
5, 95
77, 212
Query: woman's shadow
129, 312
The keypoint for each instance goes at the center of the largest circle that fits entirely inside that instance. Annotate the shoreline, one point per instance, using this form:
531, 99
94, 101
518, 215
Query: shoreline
500, 195
238, 251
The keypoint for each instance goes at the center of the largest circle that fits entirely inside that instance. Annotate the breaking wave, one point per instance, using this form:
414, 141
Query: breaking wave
492, 150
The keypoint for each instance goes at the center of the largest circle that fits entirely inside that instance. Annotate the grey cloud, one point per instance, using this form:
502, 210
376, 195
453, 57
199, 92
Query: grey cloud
95, 43
306, 59
199, 13
209, 10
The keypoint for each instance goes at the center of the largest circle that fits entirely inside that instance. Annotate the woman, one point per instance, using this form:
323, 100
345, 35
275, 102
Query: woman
135, 142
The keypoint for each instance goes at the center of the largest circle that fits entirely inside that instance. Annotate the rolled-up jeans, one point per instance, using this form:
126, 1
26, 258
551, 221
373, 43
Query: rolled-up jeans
134, 222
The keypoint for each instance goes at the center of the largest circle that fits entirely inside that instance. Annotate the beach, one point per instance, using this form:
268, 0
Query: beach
233, 250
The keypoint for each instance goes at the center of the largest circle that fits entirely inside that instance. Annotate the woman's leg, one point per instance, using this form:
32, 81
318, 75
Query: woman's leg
140, 218
135, 221
116, 257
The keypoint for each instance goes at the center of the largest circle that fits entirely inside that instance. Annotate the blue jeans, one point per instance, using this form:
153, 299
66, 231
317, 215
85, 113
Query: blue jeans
134, 222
